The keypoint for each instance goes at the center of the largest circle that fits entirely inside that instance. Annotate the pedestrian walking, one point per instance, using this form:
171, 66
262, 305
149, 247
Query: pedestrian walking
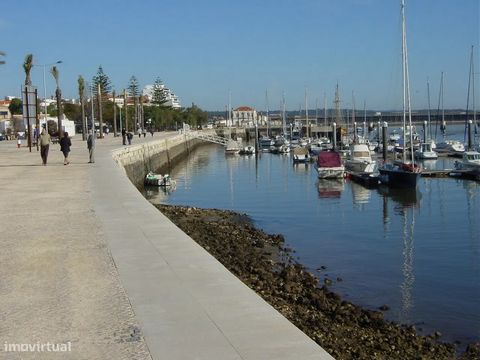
124, 136
129, 138
19, 142
90, 146
45, 141
139, 132
144, 132
65, 144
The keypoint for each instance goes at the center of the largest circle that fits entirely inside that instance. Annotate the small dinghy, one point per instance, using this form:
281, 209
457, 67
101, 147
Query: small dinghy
159, 180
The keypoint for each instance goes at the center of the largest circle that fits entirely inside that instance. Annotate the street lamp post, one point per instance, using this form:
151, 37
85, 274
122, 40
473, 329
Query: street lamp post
45, 91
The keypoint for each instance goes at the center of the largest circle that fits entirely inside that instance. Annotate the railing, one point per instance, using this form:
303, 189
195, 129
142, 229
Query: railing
206, 136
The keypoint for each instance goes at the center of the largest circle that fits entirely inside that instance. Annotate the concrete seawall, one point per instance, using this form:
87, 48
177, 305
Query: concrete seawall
137, 160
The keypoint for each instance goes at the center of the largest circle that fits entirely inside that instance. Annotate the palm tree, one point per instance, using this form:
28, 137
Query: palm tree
27, 66
58, 95
81, 93
2, 54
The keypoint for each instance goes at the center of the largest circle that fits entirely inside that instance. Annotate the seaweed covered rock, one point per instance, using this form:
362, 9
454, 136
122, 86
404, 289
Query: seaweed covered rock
264, 263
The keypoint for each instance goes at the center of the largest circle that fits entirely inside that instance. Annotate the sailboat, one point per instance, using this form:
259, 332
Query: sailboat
403, 174
425, 151
449, 147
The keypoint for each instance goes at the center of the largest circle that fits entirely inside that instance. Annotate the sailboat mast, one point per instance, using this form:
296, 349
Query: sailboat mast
306, 114
268, 121
443, 107
284, 118
428, 101
229, 108
473, 91
353, 118
406, 88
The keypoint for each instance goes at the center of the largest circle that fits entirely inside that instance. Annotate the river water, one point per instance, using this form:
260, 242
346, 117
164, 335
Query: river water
416, 251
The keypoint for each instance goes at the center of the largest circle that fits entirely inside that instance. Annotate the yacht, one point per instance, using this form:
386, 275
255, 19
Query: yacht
470, 162
426, 152
329, 165
233, 147
360, 160
451, 147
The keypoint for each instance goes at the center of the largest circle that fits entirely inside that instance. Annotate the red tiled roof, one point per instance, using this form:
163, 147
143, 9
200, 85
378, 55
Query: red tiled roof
243, 108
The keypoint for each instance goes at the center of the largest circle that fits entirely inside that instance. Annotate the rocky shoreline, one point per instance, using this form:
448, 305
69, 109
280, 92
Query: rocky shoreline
264, 263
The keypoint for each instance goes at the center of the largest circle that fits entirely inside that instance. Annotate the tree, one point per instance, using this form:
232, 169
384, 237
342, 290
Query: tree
15, 106
133, 87
58, 95
81, 94
159, 96
27, 66
2, 54
104, 81
133, 91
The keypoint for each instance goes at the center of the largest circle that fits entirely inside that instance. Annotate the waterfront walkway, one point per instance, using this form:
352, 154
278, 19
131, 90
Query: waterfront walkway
86, 260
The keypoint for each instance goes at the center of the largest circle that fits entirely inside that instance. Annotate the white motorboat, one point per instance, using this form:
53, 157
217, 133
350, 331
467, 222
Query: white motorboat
329, 165
425, 152
301, 155
394, 136
470, 162
320, 144
266, 142
247, 150
453, 147
233, 147
359, 159
159, 180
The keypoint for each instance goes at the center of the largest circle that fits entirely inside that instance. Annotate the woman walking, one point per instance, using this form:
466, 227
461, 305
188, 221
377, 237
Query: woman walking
65, 144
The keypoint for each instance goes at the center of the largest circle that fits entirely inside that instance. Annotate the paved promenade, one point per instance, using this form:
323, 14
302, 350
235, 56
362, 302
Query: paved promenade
86, 260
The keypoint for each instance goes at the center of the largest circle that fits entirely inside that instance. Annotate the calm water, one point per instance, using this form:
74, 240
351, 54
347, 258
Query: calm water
418, 252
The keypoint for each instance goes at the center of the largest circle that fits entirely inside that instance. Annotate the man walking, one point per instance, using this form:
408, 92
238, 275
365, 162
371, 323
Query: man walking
44, 145
124, 136
90, 146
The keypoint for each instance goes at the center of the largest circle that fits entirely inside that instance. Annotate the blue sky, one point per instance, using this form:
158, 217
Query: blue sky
203, 49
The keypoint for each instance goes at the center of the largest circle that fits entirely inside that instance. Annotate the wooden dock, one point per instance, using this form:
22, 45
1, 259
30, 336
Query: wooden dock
461, 174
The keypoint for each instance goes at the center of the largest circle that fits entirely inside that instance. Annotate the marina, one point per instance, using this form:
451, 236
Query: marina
408, 248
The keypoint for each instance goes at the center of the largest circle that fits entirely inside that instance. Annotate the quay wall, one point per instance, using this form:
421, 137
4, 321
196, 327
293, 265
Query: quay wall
138, 160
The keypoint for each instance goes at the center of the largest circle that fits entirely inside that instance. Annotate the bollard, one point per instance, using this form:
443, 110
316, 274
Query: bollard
384, 136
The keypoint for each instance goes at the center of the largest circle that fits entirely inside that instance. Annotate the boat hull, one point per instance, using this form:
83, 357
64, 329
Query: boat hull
398, 178
358, 166
331, 172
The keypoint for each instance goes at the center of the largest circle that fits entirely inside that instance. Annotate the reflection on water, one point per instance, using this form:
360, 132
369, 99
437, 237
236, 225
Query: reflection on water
417, 251
361, 195
330, 188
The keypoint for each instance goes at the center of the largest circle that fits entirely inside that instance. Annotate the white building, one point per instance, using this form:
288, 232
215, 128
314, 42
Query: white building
67, 125
172, 99
244, 116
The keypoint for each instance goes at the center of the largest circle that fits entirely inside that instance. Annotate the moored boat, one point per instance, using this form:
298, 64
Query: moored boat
233, 147
247, 150
329, 165
451, 147
360, 160
153, 179
403, 174
300, 155
426, 152
470, 162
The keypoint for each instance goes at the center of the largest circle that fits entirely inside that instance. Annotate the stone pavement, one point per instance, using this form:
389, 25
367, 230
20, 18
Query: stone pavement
86, 259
